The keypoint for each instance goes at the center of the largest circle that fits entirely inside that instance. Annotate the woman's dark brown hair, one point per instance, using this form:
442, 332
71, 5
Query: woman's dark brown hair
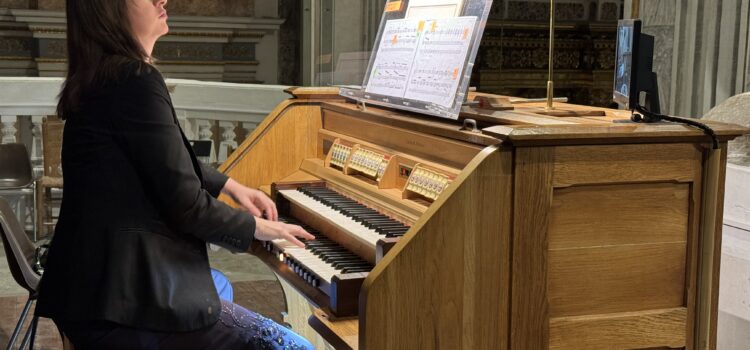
100, 44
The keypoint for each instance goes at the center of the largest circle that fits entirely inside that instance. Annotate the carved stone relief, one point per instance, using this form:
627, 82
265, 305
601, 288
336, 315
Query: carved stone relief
15, 46
187, 48
53, 48
289, 43
610, 12
513, 60
498, 9
536, 11
50, 5
570, 12
15, 4
605, 58
234, 8
188, 51
565, 10
239, 52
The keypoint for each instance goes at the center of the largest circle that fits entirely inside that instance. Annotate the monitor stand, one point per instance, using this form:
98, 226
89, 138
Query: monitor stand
649, 95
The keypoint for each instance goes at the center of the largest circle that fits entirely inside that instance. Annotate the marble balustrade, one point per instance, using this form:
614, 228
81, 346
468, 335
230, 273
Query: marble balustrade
224, 113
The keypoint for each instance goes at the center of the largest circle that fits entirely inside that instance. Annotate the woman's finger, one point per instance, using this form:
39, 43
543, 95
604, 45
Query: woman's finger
293, 240
275, 213
254, 211
268, 208
300, 232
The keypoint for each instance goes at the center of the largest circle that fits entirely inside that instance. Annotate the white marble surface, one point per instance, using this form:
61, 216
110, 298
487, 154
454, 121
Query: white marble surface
734, 110
734, 282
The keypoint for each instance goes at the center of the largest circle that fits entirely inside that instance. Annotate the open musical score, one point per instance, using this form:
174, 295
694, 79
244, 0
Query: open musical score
439, 62
393, 63
422, 60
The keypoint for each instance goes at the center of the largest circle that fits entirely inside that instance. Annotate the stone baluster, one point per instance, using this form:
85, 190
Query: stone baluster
9, 130
37, 151
228, 142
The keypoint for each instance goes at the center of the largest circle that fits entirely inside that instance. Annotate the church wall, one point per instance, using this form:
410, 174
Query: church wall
514, 54
701, 55
208, 40
241, 8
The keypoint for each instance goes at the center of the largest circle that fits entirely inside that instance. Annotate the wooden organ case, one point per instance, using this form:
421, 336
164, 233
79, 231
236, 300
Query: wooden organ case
533, 232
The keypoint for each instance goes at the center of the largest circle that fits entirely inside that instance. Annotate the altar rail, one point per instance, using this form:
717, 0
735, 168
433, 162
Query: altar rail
224, 113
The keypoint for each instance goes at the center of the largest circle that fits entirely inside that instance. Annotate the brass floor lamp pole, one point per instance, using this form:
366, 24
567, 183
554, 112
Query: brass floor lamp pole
550, 82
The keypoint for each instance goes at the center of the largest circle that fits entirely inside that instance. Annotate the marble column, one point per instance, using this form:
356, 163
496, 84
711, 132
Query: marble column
228, 138
267, 50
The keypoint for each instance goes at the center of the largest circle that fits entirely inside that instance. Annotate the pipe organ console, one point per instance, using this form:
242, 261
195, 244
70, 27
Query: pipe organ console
536, 232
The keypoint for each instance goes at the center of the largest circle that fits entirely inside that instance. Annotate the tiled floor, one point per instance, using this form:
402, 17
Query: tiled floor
255, 287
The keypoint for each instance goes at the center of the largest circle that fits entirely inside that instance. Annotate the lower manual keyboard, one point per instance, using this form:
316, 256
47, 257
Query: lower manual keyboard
322, 263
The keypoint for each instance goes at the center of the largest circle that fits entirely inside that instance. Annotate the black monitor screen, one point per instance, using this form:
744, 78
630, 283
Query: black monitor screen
628, 32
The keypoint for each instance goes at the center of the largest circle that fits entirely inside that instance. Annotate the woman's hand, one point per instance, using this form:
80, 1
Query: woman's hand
254, 201
266, 230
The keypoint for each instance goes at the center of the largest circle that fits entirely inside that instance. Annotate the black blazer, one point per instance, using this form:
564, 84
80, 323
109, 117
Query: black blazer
137, 211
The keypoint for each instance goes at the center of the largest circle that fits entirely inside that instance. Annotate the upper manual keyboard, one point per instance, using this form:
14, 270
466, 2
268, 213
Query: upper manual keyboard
365, 223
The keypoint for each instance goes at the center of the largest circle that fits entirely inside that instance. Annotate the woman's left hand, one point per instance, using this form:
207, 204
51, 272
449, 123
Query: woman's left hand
254, 201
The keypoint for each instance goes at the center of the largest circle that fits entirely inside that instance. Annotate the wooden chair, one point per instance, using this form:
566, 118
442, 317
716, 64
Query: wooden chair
52, 130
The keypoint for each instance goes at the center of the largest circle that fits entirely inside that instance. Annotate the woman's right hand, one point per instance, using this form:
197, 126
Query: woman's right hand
266, 230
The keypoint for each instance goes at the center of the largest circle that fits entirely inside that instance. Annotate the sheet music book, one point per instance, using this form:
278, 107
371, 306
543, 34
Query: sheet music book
428, 9
395, 57
422, 59
423, 56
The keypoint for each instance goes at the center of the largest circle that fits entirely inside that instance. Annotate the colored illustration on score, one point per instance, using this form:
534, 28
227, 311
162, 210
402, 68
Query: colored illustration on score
393, 6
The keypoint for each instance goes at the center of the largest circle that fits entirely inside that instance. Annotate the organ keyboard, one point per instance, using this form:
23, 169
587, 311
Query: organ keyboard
536, 232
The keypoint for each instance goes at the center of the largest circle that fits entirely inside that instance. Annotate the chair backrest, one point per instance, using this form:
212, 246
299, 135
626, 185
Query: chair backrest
15, 166
52, 131
18, 249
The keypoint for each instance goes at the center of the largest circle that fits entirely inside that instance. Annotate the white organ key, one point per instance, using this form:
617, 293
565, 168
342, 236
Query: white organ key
362, 233
310, 261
